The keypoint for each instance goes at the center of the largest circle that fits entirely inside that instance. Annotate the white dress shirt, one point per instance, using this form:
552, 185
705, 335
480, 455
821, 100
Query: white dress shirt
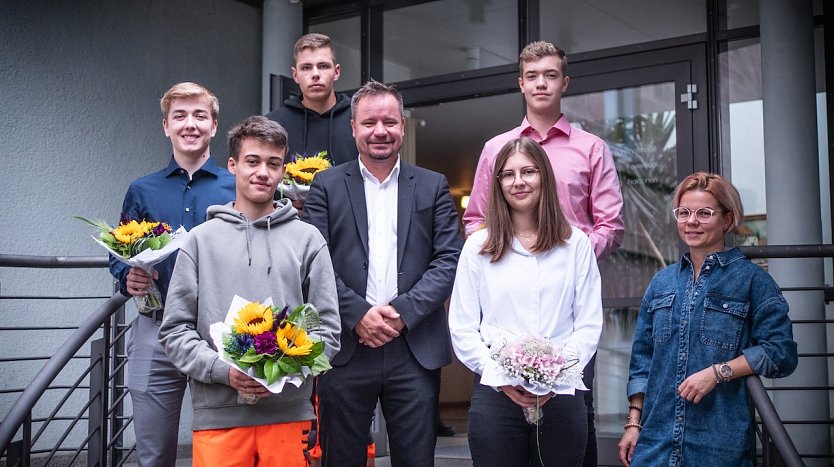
554, 294
381, 203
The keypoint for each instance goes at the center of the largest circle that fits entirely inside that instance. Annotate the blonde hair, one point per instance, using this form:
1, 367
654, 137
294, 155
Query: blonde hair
552, 229
186, 90
537, 50
723, 191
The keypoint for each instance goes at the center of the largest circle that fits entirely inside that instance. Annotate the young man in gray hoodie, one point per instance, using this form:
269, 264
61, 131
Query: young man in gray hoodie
256, 248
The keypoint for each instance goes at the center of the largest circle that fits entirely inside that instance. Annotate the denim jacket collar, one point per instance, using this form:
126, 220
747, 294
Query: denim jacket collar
724, 258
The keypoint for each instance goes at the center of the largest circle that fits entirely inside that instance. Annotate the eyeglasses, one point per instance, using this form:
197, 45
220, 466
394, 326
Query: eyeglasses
527, 174
702, 215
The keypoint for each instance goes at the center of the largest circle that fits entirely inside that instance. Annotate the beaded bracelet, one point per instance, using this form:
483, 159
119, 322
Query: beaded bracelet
633, 425
639, 409
718, 378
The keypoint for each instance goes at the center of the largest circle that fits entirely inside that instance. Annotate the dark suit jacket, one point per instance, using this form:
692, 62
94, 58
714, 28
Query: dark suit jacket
428, 245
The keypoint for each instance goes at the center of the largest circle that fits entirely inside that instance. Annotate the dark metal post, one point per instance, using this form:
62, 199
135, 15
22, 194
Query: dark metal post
96, 423
117, 379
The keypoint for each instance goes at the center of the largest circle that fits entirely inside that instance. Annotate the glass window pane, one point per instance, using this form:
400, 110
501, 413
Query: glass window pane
742, 134
638, 124
447, 36
344, 34
584, 26
741, 13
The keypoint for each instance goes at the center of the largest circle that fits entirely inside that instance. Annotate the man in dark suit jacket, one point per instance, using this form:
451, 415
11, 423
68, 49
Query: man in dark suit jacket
394, 238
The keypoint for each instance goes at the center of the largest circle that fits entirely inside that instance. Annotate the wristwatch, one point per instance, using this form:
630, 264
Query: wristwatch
726, 371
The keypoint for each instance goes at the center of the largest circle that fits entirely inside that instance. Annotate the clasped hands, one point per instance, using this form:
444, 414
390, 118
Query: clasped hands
523, 397
380, 325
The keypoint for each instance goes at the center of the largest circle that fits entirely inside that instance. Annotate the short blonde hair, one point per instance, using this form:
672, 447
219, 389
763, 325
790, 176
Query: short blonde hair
537, 50
723, 191
186, 90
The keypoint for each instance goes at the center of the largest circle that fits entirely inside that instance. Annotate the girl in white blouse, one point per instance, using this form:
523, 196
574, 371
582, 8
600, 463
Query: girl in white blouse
527, 273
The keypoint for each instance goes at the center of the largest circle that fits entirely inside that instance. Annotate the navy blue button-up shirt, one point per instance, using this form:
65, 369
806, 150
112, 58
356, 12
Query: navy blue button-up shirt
733, 308
170, 196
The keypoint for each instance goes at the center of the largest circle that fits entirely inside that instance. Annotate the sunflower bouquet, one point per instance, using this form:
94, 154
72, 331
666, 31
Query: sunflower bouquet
271, 345
298, 175
140, 244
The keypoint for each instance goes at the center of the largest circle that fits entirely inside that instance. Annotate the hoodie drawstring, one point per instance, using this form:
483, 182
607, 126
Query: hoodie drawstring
330, 138
268, 247
304, 141
248, 241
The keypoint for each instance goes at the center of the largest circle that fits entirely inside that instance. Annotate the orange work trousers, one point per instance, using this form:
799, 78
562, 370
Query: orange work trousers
276, 445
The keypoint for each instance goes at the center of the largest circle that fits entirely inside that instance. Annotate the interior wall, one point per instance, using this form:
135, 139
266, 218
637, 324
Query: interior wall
80, 84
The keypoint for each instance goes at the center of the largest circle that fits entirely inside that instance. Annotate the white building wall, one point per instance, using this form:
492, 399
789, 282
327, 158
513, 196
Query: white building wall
80, 84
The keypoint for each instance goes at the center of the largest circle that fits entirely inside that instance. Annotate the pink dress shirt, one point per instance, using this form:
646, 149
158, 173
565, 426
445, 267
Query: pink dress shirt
586, 180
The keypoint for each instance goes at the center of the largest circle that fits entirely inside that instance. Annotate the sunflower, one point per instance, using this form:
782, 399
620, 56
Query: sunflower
303, 169
253, 319
132, 231
294, 341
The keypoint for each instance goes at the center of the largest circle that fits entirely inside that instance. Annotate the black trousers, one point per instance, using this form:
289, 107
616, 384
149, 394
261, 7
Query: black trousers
499, 436
407, 392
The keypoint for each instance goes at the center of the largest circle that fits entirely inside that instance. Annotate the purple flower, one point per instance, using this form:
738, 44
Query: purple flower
160, 229
265, 343
239, 344
124, 218
278, 317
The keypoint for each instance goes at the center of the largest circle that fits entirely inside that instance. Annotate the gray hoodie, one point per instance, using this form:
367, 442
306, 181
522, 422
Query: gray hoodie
276, 256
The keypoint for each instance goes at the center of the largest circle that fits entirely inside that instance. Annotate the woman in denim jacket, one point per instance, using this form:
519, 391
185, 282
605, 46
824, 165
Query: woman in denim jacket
704, 324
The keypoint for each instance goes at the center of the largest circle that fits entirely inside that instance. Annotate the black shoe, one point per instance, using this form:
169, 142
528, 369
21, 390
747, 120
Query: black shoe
444, 429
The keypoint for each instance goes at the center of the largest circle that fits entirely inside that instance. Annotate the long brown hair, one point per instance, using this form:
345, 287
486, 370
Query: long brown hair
552, 227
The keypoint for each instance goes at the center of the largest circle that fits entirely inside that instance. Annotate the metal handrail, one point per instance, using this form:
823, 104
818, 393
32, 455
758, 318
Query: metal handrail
773, 426
22, 408
52, 262
771, 421
788, 251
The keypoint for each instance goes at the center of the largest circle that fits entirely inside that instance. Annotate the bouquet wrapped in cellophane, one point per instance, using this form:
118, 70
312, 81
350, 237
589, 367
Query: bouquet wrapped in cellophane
139, 244
537, 365
271, 345
299, 174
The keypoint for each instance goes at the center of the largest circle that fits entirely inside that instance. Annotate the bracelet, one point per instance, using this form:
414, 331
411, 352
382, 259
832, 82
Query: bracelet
639, 409
718, 378
633, 425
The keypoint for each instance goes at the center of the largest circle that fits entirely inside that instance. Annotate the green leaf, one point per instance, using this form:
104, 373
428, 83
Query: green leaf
152, 243
318, 348
259, 370
288, 365
164, 239
272, 371
320, 365
251, 356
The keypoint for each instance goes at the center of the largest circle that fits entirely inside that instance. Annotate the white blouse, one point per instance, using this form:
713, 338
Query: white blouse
554, 294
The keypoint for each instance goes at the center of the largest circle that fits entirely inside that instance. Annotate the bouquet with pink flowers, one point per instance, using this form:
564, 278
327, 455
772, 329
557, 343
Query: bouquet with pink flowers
537, 365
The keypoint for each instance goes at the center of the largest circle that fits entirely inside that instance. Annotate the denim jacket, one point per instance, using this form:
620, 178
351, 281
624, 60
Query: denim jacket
734, 308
